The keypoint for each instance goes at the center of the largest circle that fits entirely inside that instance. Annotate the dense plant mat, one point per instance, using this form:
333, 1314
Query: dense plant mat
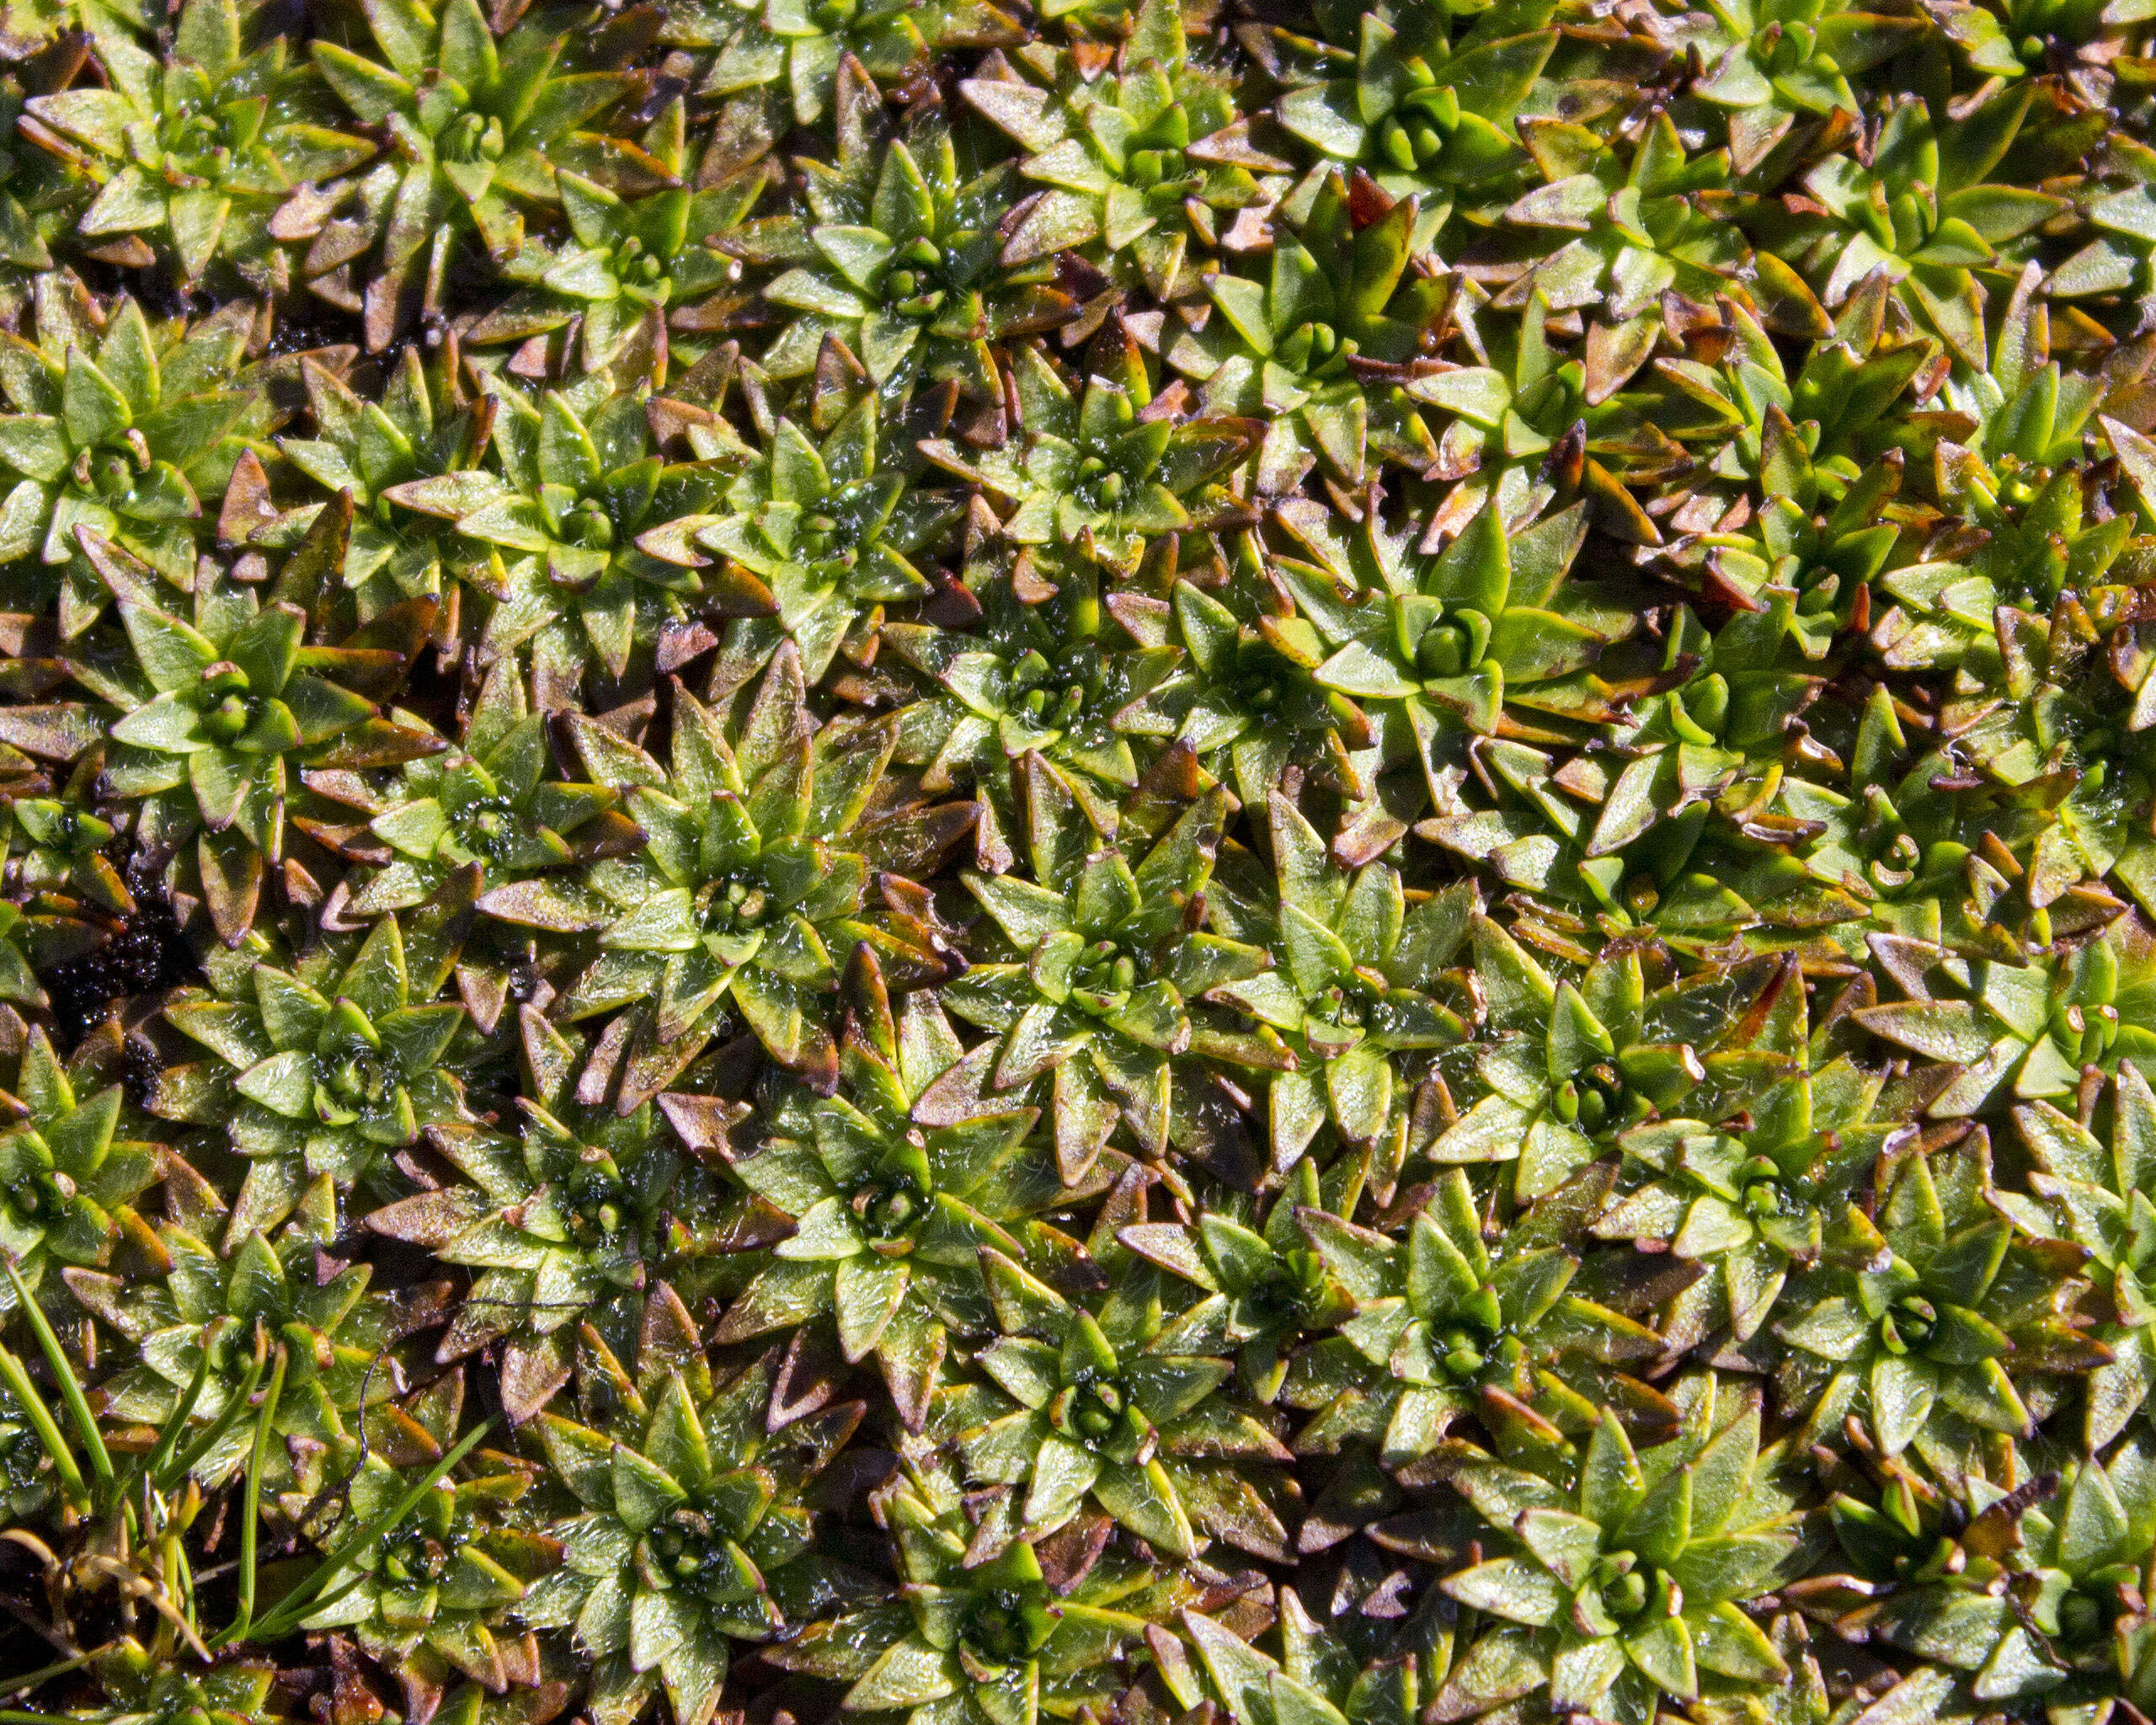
946, 862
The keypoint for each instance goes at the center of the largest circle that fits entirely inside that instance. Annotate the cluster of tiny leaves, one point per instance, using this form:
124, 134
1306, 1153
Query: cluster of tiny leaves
1144, 862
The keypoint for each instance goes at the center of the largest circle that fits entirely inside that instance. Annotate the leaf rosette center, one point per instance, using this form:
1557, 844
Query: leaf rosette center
469, 136
1006, 1626
420, 1554
1100, 1413
1050, 698
362, 1080
696, 1552
593, 1201
43, 1199
1597, 1099
733, 904
890, 1210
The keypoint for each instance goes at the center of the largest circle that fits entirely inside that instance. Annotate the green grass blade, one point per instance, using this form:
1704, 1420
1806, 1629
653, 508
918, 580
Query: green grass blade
159, 1457
250, 1527
16, 1686
47, 1429
71, 1388
235, 1405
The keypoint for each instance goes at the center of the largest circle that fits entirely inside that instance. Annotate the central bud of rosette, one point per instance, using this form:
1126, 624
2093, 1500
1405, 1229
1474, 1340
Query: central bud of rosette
693, 1548
1630, 1588
593, 1201
1050, 697
1594, 1098
733, 904
473, 137
1007, 1624
917, 279
227, 701
889, 1210
1105, 968
360, 1081
1098, 1412
1906, 1325
635, 264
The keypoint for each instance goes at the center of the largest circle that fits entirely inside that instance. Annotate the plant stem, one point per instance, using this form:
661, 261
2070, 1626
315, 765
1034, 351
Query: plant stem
249, 1528
235, 1405
59, 1667
47, 1429
71, 1387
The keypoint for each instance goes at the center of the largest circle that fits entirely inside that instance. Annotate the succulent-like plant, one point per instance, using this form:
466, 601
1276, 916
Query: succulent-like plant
200, 1324
1226, 673
29, 1484
572, 1217
236, 700
1261, 1289
1754, 1205
1441, 1316
1905, 834
1802, 440
1700, 733
2028, 411
1629, 1561
1304, 350
1098, 1411
2035, 1023
478, 119
122, 1528
1350, 990
1095, 477
52, 854
1656, 224
19, 982
694, 1529
1779, 60
1922, 212
802, 53
1570, 1063
902, 262
425, 424
628, 261
1703, 893
324, 1068
580, 479
139, 1687
489, 804
1436, 643
46, 191
891, 1202
198, 151
1035, 681
1101, 970
990, 1641
1993, 610
1915, 1316
1326, 1670
1519, 411
745, 898
117, 431
813, 540
435, 1598
1133, 158
70, 1179
2097, 1199
2025, 1599
1325, 787
1421, 109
